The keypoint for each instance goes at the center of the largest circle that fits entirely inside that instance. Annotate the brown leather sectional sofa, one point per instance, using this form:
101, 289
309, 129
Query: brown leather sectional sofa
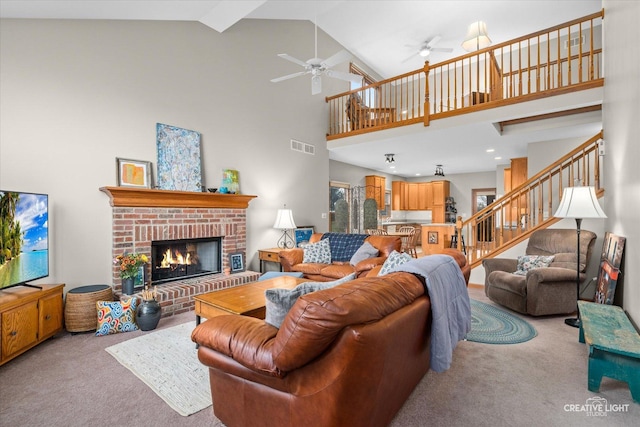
344, 356
291, 260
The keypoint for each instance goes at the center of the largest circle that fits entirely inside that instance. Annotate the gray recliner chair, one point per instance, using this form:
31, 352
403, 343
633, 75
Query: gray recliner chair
546, 290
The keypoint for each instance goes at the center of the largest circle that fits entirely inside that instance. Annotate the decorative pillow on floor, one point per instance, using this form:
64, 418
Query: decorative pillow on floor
319, 252
395, 259
116, 316
278, 301
366, 251
529, 262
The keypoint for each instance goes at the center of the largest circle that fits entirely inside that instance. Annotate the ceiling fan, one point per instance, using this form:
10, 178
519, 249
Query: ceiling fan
427, 47
317, 67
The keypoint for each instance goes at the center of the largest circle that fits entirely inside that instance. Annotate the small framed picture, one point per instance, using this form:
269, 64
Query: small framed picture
432, 237
236, 262
303, 234
133, 173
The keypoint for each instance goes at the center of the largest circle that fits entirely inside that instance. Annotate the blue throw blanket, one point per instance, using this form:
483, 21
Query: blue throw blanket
450, 306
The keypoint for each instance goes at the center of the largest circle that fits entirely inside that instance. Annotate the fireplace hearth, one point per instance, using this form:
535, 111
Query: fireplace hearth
185, 258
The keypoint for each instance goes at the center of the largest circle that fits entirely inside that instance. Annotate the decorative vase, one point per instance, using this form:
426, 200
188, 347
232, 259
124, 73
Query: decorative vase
148, 314
127, 285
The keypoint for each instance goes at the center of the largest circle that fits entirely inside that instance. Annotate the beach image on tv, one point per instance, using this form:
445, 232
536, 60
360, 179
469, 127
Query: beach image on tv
24, 245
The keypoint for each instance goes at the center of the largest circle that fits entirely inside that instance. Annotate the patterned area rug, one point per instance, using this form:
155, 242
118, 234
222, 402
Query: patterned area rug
491, 325
167, 362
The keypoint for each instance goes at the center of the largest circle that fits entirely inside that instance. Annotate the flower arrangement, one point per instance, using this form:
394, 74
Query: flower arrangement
149, 293
130, 264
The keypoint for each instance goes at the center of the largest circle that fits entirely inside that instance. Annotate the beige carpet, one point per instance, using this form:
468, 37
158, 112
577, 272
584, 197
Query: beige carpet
167, 361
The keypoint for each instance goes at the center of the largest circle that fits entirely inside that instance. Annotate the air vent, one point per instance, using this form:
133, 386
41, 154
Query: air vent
303, 147
574, 42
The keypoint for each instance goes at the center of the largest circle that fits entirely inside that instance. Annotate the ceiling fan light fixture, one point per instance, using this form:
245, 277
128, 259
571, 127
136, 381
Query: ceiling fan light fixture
477, 37
389, 158
424, 52
439, 171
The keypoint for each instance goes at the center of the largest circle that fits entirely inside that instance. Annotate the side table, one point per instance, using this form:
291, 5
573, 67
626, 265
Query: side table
269, 255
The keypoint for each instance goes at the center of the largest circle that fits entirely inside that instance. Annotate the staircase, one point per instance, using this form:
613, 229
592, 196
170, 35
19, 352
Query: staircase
530, 206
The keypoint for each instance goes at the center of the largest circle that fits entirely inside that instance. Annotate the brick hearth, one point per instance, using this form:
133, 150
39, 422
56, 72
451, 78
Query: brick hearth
140, 216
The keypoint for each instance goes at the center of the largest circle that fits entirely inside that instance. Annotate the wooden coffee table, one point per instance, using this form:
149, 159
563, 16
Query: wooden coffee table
247, 300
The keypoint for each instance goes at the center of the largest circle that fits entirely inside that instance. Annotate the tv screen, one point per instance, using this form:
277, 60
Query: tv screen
24, 237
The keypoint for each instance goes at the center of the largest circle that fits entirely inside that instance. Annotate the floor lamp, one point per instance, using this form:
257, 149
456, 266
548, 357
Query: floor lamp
578, 203
284, 222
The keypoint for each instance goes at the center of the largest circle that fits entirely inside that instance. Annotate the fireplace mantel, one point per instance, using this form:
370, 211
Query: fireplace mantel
144, 197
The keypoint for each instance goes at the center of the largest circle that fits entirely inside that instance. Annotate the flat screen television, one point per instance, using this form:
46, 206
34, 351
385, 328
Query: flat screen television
24, 238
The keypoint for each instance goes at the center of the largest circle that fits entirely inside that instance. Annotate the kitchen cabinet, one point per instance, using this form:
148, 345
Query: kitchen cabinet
420, 196
375, 188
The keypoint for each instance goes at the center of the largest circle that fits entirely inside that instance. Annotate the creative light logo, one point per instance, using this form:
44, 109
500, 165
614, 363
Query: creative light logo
596, 407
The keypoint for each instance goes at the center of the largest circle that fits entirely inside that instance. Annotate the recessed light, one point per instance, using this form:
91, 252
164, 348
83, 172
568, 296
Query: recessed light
497, 158
490, 150
392, 167
418, 174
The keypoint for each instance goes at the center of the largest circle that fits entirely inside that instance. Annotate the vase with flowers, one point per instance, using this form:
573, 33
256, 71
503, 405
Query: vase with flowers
149, 311
129, 265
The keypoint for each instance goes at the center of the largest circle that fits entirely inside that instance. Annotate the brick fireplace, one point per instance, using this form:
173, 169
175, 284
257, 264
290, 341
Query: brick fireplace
143, 216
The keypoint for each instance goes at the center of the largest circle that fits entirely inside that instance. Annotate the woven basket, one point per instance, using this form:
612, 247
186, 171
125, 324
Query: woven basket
80, 313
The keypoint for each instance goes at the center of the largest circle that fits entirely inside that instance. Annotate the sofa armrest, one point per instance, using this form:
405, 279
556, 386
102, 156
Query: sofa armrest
291, 257
246, 340
499, 264
364, 266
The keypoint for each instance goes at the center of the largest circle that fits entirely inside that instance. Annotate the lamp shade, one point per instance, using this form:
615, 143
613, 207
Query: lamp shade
476, 37
284, 220
579, 202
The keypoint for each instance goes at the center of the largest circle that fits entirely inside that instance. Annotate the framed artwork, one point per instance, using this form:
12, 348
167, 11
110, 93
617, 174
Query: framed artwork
179, 165
133, 173
138, 281
432, 237
303, 234
230, 182
609, 272
236, 262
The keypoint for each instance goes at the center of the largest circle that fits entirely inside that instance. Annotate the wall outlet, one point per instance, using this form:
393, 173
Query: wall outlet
324, 215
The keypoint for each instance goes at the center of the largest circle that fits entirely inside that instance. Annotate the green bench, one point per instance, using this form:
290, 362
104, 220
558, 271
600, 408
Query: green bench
614, 346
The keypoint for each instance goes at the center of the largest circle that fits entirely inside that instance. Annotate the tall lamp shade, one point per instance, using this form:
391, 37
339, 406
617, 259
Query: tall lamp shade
477, 37
578, 203
284, 221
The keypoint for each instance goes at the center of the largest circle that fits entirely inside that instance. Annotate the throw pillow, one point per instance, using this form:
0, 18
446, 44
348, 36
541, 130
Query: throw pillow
319, 252
529, 262
116, 316
395, 259
366, 251
278, 301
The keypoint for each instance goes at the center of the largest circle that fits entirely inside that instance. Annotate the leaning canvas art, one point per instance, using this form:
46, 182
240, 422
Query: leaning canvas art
179, 165
610, 261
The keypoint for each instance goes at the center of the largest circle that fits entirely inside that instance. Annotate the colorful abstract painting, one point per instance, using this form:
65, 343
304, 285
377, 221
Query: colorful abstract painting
179, 165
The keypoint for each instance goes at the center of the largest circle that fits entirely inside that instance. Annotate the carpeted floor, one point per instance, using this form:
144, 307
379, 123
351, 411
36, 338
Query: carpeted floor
72, 381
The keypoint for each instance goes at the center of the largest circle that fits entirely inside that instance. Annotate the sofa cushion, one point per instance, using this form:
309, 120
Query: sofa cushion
395, 259
507, 282
529, 262
337, 270
344, 245
278, 301
365, 251
317, 253
311, 268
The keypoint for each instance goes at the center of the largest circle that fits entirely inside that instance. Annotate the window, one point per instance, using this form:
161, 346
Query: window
368, 96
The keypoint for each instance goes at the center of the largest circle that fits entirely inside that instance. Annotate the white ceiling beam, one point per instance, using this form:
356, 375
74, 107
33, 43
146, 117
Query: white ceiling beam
227, 12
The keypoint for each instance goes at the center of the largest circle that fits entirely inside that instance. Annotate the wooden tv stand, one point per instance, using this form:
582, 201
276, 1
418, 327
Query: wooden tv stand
28, 316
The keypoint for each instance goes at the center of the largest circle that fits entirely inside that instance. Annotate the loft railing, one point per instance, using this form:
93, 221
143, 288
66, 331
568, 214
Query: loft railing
560, 59
529, 206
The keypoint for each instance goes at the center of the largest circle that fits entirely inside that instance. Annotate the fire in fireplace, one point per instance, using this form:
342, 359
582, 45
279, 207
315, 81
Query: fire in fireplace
180, 259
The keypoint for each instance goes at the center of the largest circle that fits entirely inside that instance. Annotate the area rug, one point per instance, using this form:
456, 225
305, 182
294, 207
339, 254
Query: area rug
491, 325
167, 361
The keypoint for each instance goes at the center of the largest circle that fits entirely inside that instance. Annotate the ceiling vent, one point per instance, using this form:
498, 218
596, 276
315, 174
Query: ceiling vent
303, 147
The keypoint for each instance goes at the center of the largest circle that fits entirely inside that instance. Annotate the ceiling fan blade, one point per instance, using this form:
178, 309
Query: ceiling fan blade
316, 85
336, 59
408, 58
292, 59
289, 76
441, 49
433, 41
350, 77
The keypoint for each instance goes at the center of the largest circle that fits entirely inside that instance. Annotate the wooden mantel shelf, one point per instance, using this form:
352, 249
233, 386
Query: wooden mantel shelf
144, 197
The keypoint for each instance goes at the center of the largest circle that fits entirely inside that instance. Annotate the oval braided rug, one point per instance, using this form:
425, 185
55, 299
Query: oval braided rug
491, 325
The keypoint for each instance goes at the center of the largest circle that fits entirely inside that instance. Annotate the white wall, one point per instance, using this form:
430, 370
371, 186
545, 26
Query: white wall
77, 94
621, 110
